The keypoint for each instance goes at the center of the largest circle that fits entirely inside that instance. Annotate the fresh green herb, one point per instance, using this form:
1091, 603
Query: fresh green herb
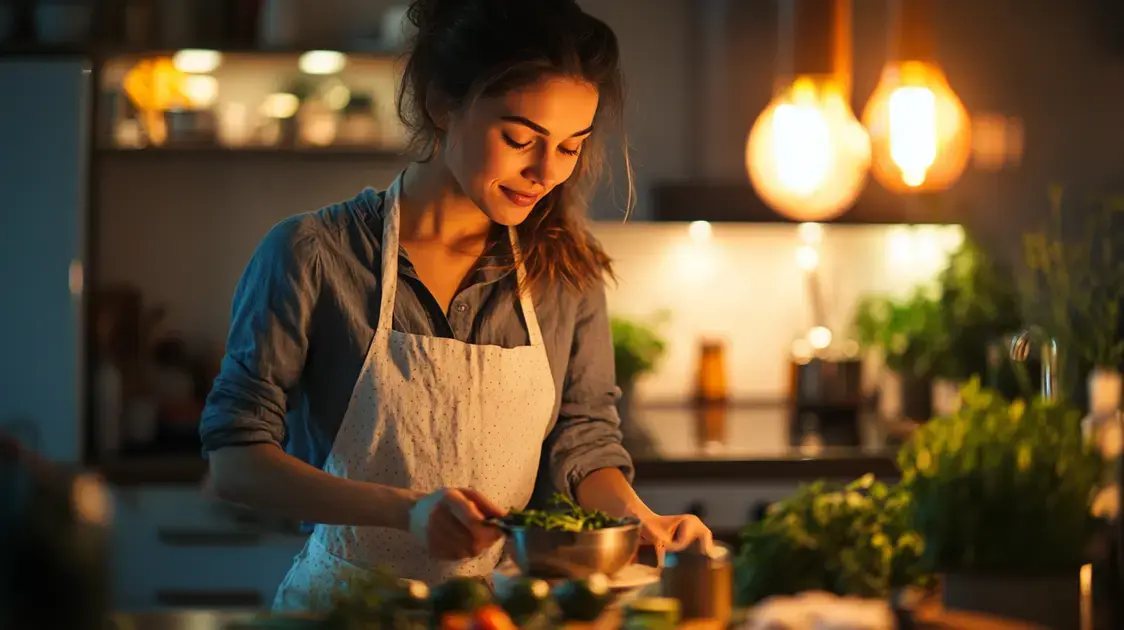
1074, 283
999, 477
565, 516
849, 539
911, 333
636, 347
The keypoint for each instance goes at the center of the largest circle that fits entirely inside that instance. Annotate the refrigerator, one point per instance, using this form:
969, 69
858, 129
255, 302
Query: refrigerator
45, 143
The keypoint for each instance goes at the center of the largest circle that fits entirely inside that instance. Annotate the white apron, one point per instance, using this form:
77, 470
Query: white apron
428, 413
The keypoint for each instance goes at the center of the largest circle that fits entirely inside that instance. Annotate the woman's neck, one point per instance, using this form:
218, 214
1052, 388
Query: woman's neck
435, 210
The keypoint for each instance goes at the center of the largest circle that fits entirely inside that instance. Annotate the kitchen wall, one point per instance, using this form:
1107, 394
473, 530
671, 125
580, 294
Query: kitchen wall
185, 248
743, 285
182, 227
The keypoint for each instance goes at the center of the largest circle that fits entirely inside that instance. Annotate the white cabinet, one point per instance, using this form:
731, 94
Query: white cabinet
175, 548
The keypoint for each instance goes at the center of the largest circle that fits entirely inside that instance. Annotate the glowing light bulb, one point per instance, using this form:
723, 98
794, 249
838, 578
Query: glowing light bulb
920, 133
807, 258
807, 154
819, 337
700, 231
197, 61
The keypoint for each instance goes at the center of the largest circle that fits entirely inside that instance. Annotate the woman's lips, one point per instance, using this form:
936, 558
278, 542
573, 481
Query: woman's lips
518, 198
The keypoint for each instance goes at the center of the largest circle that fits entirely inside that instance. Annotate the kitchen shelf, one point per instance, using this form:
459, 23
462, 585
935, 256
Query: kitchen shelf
366, 153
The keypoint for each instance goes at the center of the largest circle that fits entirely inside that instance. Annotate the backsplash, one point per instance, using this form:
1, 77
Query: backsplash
744, 284
185, 248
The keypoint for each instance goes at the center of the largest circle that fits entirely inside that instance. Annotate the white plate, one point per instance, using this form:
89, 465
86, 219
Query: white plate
631, 577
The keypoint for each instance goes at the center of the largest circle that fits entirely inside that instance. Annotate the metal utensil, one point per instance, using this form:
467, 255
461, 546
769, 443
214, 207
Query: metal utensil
549, 553
701, 581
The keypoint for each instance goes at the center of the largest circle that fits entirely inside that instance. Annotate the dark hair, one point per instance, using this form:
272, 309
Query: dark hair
467, 49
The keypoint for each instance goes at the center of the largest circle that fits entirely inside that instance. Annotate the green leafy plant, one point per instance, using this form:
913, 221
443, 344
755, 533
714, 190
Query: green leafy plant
979, 305
911, 333
1002, 486
636, 348
1075, 283
849, 539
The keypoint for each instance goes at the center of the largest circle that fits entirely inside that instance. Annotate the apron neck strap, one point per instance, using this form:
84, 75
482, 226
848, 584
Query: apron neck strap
388, 286
525, 300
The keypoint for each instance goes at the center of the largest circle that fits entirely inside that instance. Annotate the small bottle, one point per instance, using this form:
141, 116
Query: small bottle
711, 394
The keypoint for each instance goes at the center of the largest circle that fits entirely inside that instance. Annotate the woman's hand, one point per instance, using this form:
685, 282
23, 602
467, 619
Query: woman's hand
675, 533
450, 523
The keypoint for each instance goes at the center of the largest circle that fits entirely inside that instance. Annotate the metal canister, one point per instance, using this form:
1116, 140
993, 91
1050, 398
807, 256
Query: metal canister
701, 581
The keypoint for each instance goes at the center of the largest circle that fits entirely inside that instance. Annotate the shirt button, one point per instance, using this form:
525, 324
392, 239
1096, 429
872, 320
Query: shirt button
461, 307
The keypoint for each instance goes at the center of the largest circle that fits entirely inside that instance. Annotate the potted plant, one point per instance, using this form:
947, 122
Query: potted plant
1002, 493
980, 308
852, 539
1074, 287
910, 334
637, 347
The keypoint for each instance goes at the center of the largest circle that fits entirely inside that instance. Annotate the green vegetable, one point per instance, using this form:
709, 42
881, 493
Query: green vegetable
998, 478
636, 347
567, 516
848, 540
525, 600
652, 613
459, 594
583, 600
378, 598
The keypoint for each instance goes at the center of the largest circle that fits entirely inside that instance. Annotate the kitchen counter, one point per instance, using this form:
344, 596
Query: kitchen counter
759, 441
764, 441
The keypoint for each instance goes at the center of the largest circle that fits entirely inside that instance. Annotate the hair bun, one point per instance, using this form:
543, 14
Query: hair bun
427, 14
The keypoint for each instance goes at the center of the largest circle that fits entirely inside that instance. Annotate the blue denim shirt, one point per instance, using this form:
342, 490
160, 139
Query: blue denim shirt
304, 314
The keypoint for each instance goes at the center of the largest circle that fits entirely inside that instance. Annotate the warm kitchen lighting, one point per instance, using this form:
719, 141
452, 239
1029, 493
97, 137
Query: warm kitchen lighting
280, 105
202, 90
700, 231
807, 155
811, 233
322, 62
920, 133
997, 141
807, 258
194, 61
819, 337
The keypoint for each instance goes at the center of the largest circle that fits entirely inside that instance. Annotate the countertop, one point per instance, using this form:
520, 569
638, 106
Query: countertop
759, 441
767, 441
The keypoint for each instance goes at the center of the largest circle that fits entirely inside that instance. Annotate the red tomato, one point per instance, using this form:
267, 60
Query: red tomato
492, 617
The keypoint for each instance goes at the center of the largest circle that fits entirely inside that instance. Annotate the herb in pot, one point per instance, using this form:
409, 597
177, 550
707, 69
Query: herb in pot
636, 348
910, 332
849, 539
1074, 285
1002, 486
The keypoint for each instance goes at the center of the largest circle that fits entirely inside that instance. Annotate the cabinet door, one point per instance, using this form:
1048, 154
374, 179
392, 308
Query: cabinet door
44, 135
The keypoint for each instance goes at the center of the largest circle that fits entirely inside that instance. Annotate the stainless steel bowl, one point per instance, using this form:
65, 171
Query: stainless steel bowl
574, 555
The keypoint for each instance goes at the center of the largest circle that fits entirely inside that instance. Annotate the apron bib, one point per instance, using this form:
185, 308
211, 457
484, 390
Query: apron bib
428, 413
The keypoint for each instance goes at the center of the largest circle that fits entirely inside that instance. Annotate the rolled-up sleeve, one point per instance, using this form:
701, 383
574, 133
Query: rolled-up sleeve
268, 341
587, 436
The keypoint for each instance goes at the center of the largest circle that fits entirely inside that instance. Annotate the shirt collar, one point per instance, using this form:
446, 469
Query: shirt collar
490, 269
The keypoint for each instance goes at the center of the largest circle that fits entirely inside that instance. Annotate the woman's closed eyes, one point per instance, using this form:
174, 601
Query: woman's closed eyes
526, 145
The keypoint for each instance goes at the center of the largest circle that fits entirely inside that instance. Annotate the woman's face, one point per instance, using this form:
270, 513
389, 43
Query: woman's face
508, 151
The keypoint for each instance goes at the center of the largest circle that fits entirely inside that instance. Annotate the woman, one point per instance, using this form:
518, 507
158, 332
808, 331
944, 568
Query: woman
423, 352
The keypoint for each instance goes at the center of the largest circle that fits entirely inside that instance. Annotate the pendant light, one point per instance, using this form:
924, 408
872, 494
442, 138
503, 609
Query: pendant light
920, 132
807, 155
